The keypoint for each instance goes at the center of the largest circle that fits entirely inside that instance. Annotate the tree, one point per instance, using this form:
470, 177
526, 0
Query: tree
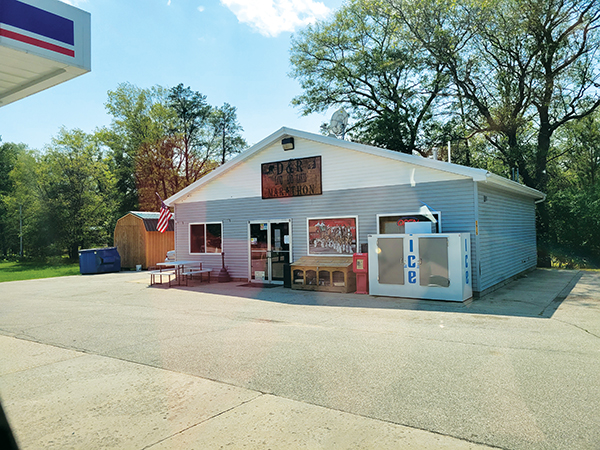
140, 117
159, 170
227, 130
365, 60
579, 144
192, 118
24, 202
574, 190
524, 68
75, 190
9, 237
161, 140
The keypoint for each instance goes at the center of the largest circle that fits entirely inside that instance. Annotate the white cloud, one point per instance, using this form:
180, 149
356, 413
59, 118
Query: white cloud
201, 8
169, 3
272, 17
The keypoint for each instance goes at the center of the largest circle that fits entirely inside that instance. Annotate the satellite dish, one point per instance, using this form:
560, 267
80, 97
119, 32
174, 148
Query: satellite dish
338, 124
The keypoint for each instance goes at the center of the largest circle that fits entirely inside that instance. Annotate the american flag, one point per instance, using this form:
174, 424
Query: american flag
165, 216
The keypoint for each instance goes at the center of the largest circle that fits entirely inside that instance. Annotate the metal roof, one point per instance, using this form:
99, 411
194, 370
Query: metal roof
151, 220
145, 214
42, 43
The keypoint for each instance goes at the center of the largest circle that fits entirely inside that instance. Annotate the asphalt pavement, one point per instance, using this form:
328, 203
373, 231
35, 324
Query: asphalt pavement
106, 361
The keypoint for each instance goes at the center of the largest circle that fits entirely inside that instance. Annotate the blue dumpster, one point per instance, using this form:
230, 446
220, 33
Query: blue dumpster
99, 260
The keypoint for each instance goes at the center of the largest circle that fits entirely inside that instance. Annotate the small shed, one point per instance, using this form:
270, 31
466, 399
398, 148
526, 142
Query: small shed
139, 242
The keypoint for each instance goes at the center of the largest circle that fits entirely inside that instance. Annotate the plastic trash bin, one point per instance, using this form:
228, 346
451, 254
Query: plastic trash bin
99, 260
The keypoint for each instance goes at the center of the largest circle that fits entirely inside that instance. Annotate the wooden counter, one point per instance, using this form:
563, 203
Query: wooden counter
324, 273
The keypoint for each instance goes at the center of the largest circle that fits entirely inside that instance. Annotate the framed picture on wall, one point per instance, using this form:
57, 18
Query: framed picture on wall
332, 236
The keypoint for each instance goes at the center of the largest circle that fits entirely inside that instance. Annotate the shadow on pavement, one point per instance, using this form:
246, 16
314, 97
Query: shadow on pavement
537, 294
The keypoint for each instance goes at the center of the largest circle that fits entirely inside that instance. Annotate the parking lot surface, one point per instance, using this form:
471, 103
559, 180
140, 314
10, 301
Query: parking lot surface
105, 361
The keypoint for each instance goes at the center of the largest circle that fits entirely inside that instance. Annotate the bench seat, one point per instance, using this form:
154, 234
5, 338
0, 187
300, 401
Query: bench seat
191, 271
160, 274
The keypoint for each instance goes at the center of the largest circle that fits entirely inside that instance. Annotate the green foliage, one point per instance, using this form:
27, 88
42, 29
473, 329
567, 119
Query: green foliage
523, 69
575, 218
23, 202
574, 195
512, 84
161, 140
75, 189
8, 158
66, 198
9, 154
192, 125
140, 117
71, 195
365, 59
578, 152
226, 129
192, 112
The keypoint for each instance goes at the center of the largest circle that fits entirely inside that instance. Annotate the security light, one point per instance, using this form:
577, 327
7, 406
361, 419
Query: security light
288, 143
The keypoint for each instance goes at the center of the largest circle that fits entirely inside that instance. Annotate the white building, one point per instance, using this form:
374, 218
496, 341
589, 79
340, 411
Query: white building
271, 205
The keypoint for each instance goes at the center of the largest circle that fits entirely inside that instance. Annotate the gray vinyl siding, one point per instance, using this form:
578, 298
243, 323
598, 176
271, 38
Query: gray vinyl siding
454, 199
507, 235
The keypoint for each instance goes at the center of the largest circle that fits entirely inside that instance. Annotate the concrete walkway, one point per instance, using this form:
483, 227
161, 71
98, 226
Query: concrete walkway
104, 361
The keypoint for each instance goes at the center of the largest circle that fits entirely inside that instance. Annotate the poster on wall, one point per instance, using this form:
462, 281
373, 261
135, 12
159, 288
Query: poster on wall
332, 236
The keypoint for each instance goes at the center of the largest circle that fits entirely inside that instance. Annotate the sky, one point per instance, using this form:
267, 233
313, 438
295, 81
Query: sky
234, 51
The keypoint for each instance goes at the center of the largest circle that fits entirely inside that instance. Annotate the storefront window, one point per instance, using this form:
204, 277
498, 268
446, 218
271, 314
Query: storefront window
205, 237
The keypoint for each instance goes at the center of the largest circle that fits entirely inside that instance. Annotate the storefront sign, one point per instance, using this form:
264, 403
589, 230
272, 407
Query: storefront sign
291, 178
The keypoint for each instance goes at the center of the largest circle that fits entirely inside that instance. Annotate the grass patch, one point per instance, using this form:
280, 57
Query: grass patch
30, 270
570, 260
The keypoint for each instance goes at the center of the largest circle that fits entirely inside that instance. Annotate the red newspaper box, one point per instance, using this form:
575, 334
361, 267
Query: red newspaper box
360, 267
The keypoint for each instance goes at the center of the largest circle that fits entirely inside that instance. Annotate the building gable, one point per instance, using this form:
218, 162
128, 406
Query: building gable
342, 167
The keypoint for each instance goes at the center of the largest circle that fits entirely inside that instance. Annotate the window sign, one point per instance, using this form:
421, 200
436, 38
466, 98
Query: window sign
396, 223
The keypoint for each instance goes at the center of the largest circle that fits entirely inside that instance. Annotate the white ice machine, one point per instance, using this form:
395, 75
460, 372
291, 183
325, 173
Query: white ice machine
424, 266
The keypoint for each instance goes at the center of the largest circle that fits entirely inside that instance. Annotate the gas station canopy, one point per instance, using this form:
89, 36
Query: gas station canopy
42, 43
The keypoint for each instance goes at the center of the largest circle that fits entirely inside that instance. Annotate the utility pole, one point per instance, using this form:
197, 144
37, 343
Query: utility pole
223, 161
21, 230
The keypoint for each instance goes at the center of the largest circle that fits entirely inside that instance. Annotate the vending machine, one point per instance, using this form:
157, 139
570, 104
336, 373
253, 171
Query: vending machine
360, 266
425, 266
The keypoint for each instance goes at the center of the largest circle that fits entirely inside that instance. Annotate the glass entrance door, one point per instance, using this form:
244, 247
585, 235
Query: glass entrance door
270, 244
280, 249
